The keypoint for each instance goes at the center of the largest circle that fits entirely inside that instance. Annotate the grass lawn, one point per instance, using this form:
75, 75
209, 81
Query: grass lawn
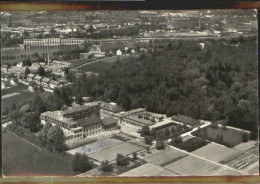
21, 98
97, 67
110, 153
77, 62
215, 152
17, 88
165, 157
21, 158
103, 65
231, 137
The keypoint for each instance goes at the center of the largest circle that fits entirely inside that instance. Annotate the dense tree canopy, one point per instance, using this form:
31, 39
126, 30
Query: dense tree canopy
214, 83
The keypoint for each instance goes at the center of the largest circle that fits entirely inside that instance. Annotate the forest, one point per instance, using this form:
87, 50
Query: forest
217, 82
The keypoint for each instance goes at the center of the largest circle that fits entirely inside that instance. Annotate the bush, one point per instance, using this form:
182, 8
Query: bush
81, 163
245, 137
122, 160
148, 140
106, 167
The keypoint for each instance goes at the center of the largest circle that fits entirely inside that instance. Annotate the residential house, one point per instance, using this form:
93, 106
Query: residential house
45, 82
30, 77
38, 79
118, 52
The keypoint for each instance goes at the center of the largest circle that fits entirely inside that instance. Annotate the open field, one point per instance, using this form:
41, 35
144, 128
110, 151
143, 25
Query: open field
21, 158
77, 62
192, 165
215, 152
231, 137
110, 153
241, 161
23, 96
149, 169
165, 157
246, 145
102, 65
19, 87
95, 146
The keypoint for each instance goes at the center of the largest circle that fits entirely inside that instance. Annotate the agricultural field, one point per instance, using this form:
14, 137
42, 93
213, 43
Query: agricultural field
102, 65
165, 157
110, 153
189, 166
95, 146
243, 160
31, 160
215, 152
231, 137
149, 169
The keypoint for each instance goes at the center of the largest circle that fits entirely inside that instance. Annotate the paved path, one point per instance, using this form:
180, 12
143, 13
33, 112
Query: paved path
10, 95
92, 62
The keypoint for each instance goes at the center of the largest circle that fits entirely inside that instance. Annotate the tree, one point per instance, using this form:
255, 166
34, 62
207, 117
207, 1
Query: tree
148, 139
135, 155
160, 144
167, 132
26, 72
41, 71
106, 167
31, 121
245, 137
55, 139
43, 138
173, 131
145, 130
122, 160
38, 105
47, 127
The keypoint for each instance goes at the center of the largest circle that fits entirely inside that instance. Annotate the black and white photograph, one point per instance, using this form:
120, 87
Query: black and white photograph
130, 93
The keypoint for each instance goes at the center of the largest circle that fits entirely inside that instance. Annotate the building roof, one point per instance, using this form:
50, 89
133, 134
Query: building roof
54, 82
186, 119
163, 123
113, 107
58, 116
30, 75
139, 121
45, 79
109, 121
37, 77
81, 107
155, 115
90, 122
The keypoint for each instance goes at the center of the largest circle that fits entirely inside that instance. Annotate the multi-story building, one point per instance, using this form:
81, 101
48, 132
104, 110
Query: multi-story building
82, 111
70, 128
108, 110
53, 42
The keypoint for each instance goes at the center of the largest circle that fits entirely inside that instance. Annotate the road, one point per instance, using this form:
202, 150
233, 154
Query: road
164, 38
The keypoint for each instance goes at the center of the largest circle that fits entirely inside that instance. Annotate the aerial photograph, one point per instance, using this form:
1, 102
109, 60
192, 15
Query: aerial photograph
129, 93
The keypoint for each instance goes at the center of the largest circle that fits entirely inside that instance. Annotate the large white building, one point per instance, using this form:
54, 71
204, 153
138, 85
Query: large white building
53, 42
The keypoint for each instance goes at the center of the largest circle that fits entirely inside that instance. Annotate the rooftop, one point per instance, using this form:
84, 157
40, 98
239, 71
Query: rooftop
113, 107
89, 121
109, 121
58, 116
